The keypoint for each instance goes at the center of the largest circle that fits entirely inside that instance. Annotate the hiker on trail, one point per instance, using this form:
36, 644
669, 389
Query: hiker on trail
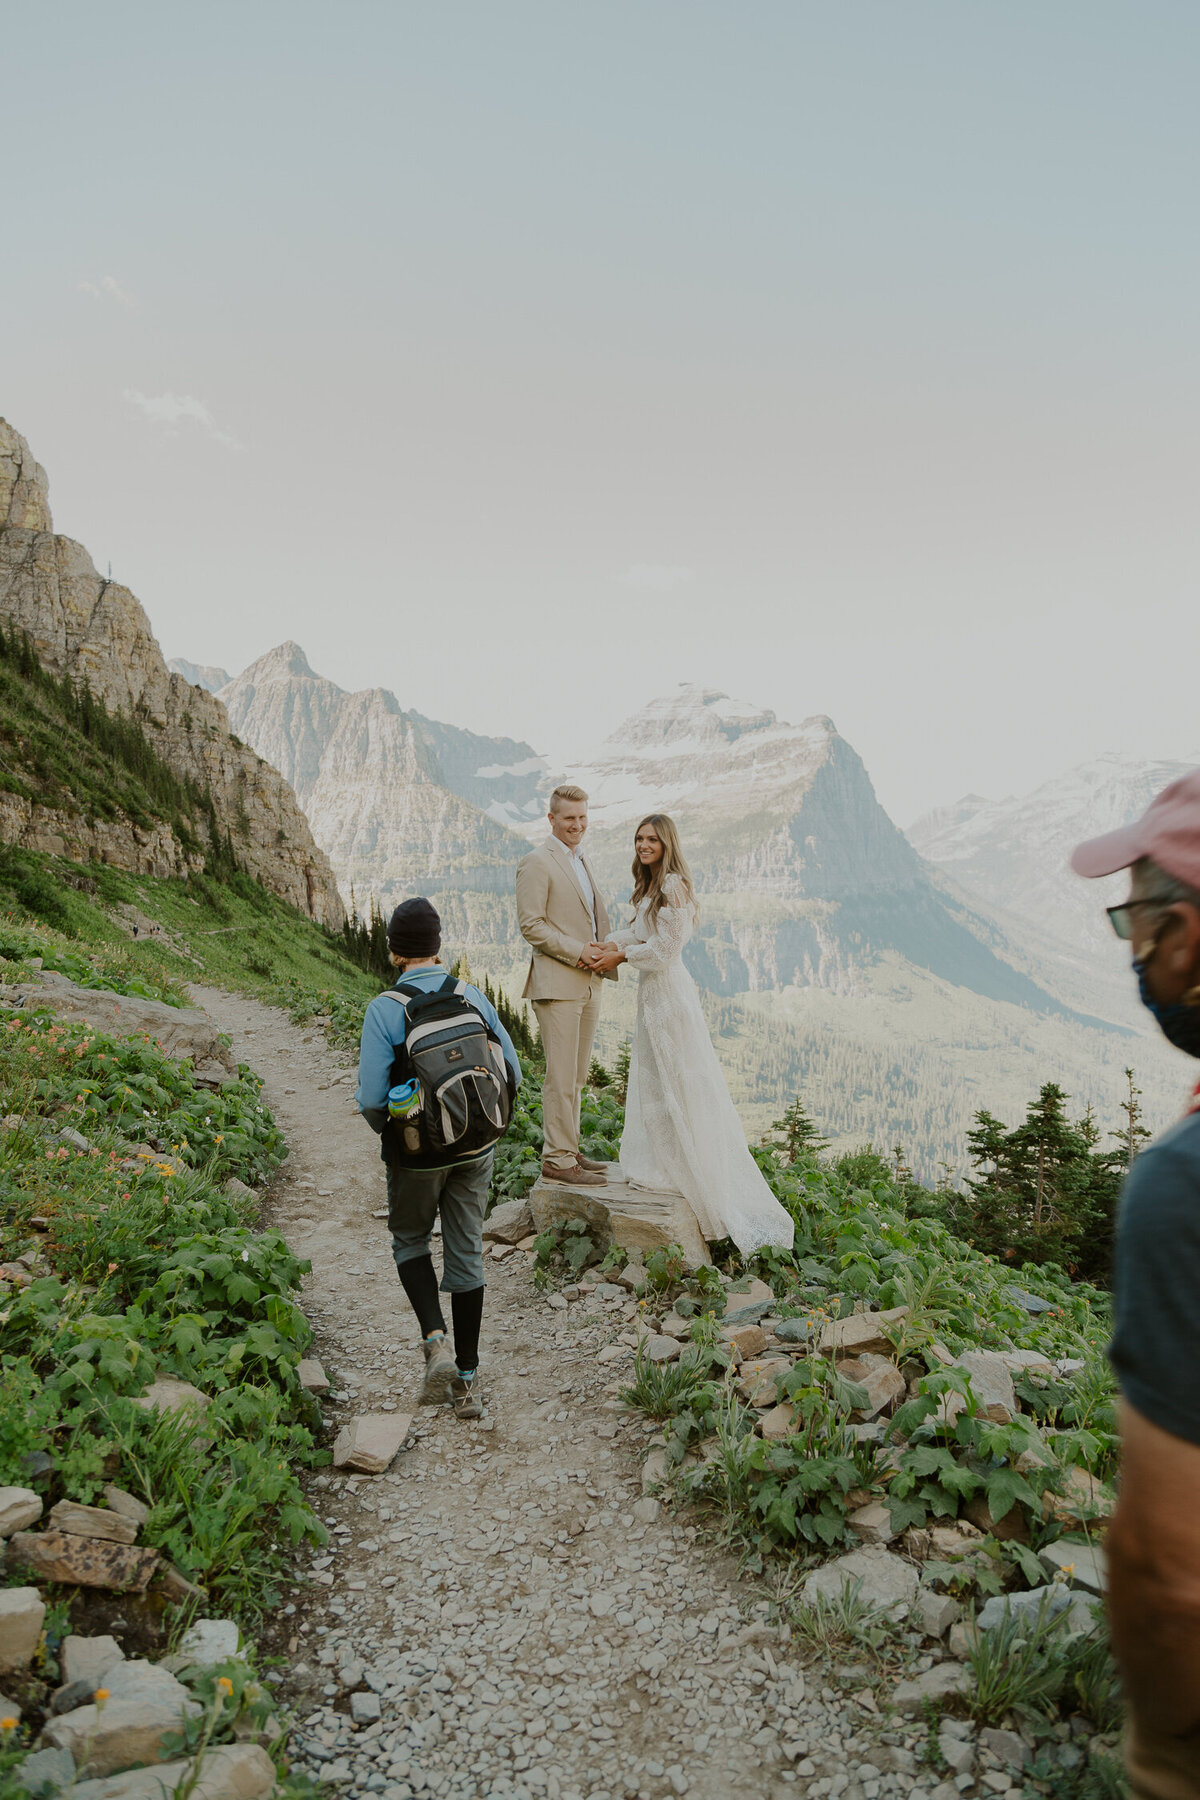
1153, 1539
437, 1073
562, 919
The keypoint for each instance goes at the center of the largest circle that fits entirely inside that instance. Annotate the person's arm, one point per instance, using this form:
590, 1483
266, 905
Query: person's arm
1153, 1547
672, 929
382, 1033
623, 938
533, 899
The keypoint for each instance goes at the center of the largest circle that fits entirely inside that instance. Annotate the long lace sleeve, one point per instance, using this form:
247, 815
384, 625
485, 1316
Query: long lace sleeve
672, 929
623, 938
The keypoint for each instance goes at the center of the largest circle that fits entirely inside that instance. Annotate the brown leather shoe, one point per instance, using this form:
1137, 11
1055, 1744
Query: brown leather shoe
600, 1168
574, 1175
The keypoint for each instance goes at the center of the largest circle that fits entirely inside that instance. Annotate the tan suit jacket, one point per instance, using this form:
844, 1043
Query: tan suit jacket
556, 923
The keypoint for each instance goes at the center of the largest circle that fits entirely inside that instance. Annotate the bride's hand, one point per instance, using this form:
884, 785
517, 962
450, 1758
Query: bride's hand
608, 958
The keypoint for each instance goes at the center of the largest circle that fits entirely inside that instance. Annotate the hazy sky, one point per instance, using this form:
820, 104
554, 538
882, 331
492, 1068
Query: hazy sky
529, 359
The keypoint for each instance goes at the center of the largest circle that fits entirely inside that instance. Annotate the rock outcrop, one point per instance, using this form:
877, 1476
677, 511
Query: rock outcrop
96, 631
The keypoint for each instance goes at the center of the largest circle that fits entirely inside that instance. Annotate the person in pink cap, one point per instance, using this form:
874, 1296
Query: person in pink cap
1153, 1540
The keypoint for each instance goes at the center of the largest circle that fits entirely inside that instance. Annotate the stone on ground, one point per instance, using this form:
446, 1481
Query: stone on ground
167, 1395
371, 1442
89, 1658
778, 1423
92, 1522
22, 1611
937, 1612
885, 1385
508, 1223
230, 1772
636, 1218
942, 1682
84, 1561
882, 1578
1029, 1606
862, 1331
1007, 1748
746, 1306
53, 1770
658, 1348
872, 1523
128, 1505
145, 1707
991, 1384
744, 1340
179, 1030
18, 1507
312, 1376
1085, 1565
209, 1641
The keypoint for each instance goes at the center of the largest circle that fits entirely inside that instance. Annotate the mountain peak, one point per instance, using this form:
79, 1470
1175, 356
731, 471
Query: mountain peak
24, 489
286, 659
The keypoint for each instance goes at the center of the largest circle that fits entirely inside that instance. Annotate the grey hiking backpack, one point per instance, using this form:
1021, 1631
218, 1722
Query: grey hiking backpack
458, 1063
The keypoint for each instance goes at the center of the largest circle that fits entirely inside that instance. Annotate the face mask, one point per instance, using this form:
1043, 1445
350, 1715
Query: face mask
1179, 1024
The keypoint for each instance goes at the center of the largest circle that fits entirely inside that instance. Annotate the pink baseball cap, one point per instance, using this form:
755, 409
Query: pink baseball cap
1168, 832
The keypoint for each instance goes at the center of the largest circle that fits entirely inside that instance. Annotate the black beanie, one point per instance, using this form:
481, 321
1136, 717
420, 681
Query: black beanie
415, 929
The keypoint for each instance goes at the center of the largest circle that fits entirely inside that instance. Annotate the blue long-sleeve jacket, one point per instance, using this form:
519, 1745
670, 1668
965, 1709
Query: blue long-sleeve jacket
384, 1031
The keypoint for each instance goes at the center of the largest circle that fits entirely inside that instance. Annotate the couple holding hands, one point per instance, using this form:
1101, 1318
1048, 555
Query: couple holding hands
681, 1131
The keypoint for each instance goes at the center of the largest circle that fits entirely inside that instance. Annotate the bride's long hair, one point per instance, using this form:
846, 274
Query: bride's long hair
648, 883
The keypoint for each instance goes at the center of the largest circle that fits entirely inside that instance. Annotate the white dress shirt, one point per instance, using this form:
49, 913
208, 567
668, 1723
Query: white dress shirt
575, 857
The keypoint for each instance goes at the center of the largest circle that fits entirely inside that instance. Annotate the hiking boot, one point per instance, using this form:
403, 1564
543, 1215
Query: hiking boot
440, 1370
576, 1175
597, 1168
464, 1398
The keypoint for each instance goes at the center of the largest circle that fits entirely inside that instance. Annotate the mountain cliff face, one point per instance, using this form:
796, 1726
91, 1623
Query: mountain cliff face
805, 880
96, 631
390, 794
1014, 853
203, 675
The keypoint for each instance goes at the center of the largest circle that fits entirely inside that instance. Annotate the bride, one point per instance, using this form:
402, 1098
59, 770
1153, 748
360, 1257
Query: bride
681, 1130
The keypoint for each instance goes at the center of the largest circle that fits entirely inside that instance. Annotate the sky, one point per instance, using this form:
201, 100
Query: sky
531, 359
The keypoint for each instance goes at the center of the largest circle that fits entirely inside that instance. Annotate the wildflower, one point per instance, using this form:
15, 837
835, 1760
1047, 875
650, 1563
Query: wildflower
245, 1256
8, 1723
112, 1267
100, 1696
224, 1684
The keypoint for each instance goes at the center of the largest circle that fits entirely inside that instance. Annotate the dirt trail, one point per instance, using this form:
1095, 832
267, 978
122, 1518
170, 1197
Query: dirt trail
513, 1623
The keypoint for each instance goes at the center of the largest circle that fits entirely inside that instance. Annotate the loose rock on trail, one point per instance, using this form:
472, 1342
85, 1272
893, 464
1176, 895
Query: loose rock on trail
503, 1613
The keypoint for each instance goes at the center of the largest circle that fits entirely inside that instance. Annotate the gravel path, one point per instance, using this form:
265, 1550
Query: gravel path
503, 1613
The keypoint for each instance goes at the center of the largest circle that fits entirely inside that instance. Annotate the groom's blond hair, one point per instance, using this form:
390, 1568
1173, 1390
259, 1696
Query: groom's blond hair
567, 795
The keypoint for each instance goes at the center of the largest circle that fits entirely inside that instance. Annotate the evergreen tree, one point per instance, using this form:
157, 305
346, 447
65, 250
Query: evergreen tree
620, 1080
798, 1132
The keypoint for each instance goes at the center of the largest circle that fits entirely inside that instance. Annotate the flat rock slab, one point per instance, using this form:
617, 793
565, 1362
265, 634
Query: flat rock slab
635, 1218
19, 1507
370, 1442
22, 1612
881, 1578
1085, 1565
230, 1772
179, 1030
862, 1331
991, 1383
89, 1659
84, 1562
57, 1767
145, 1706
92, 1522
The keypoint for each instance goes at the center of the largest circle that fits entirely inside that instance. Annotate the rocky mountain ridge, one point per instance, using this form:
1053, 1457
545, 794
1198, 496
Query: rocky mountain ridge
1013, 853
95, 631
205, 675
392, 797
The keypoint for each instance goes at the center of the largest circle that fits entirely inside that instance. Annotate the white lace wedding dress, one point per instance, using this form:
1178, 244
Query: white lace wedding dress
681, 1129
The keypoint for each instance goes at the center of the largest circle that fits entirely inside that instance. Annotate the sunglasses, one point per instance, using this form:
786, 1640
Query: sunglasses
1121, 917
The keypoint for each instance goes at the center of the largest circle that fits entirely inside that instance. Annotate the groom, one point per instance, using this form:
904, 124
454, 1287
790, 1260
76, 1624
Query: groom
562, 919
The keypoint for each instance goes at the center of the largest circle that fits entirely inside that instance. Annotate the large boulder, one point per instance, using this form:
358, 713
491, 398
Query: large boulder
179, 1030
19, 1507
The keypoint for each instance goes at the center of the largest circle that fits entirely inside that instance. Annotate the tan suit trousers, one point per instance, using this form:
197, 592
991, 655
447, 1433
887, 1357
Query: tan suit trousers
1161, 1768
568, 1028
